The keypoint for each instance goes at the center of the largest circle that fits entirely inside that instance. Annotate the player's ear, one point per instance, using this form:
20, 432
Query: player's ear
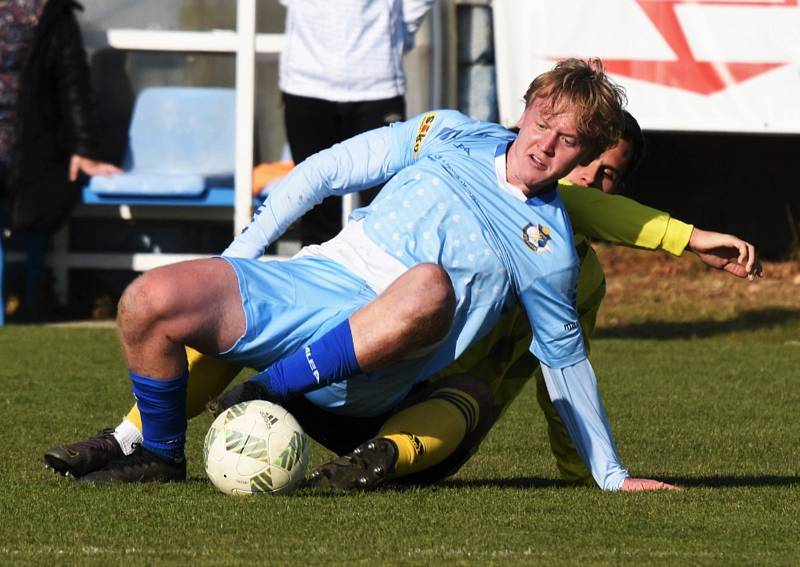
522, 116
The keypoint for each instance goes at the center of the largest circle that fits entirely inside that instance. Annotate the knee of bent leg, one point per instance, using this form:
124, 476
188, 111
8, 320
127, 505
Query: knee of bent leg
432, 298
432, 289
147, 300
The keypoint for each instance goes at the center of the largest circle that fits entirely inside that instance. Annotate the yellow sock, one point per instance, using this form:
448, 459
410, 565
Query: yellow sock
208, 377
430, 431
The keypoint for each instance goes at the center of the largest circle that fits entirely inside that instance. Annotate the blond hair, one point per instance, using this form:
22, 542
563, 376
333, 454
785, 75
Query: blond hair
584, 88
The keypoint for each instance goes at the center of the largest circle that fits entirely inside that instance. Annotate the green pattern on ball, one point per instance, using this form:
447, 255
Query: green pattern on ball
293, 452
211, 436
234, 412
247, 445
262, 482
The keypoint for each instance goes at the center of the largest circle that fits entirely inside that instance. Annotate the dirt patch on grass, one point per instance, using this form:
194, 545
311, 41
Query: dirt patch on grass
654, 286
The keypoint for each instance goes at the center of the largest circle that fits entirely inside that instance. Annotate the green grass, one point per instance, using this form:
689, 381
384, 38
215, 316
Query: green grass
716, 414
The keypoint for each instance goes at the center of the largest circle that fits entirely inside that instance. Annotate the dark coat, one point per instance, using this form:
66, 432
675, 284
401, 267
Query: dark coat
55, 120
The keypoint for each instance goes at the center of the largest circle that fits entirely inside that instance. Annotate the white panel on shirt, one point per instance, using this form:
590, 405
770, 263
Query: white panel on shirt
354, 250
502, 179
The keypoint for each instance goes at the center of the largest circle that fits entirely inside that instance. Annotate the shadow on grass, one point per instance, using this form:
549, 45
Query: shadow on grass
721, 481
746, 321
517, 482
730, 481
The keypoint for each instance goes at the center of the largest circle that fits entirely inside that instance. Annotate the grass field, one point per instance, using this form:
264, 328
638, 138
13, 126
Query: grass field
700, 380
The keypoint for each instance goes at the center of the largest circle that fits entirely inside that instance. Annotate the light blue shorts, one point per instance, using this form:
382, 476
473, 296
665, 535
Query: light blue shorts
290, 304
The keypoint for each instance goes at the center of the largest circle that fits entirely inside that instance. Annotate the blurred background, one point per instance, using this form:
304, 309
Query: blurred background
714, 85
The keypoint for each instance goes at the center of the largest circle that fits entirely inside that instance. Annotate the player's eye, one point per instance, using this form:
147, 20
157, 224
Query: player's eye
569, 142
610, 174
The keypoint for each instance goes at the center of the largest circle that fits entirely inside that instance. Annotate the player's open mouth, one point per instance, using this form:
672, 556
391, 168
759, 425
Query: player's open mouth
537, 162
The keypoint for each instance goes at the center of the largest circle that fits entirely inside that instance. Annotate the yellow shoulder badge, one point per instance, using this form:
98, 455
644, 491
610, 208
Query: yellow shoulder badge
424, 127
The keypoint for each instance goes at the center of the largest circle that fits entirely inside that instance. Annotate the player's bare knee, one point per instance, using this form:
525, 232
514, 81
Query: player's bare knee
144, 303
437, 296
431, 302
433, 289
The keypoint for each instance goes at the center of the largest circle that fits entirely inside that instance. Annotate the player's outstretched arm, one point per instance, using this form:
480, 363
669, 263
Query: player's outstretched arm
726, 252
577, 400
353, 165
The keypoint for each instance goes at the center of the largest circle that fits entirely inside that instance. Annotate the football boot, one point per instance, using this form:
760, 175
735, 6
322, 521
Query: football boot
365, 468
83, 457
139, 466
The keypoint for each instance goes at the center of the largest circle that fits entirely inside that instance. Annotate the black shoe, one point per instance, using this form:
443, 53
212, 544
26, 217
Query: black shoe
244, 392
83, 457
139, 466
363, 469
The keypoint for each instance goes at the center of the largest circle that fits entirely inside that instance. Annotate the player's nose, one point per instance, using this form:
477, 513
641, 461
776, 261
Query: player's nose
547, 143
589, 175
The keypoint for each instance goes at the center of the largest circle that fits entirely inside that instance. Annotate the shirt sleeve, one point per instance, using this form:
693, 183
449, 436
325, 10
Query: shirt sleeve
73, 87
576, 397
549, 302
414, 12
361, 162
620, 220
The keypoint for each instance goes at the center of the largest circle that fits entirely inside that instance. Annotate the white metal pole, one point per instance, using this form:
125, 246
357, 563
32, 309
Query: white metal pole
350, 202
245, 109
437, 56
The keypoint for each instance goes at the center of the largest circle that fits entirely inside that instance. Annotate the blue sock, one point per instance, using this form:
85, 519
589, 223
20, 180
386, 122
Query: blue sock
162, 405
330, 359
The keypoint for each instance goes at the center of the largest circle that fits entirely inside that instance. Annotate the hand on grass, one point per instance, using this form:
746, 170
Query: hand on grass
726, 252
642, 484
90, 167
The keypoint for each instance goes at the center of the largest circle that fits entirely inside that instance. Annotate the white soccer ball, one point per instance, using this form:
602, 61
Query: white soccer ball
255, 447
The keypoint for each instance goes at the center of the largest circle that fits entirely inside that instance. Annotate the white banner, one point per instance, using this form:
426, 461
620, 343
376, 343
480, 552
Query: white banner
691, 65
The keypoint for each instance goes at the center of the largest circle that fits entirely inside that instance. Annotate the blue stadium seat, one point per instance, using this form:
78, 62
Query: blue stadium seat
181, 153
181, 150
179, 166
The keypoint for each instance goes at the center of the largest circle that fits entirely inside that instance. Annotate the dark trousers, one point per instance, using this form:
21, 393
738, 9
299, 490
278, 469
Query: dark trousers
338, 433
2, 257
37, 294
314, 124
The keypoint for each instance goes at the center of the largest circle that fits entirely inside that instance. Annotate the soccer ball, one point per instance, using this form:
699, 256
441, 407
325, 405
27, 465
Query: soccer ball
255, 447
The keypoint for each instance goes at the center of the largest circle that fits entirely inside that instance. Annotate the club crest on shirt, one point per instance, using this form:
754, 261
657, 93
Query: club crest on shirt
537, 237
424, 127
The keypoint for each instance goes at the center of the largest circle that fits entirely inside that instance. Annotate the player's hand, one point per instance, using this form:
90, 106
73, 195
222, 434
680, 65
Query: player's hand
726, 252
90, 167
642, 484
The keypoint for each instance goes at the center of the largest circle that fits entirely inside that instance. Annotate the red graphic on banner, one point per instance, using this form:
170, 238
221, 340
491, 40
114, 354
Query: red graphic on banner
686, 73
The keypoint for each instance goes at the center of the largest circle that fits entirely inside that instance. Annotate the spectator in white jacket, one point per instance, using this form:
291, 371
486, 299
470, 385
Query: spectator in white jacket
341, 73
